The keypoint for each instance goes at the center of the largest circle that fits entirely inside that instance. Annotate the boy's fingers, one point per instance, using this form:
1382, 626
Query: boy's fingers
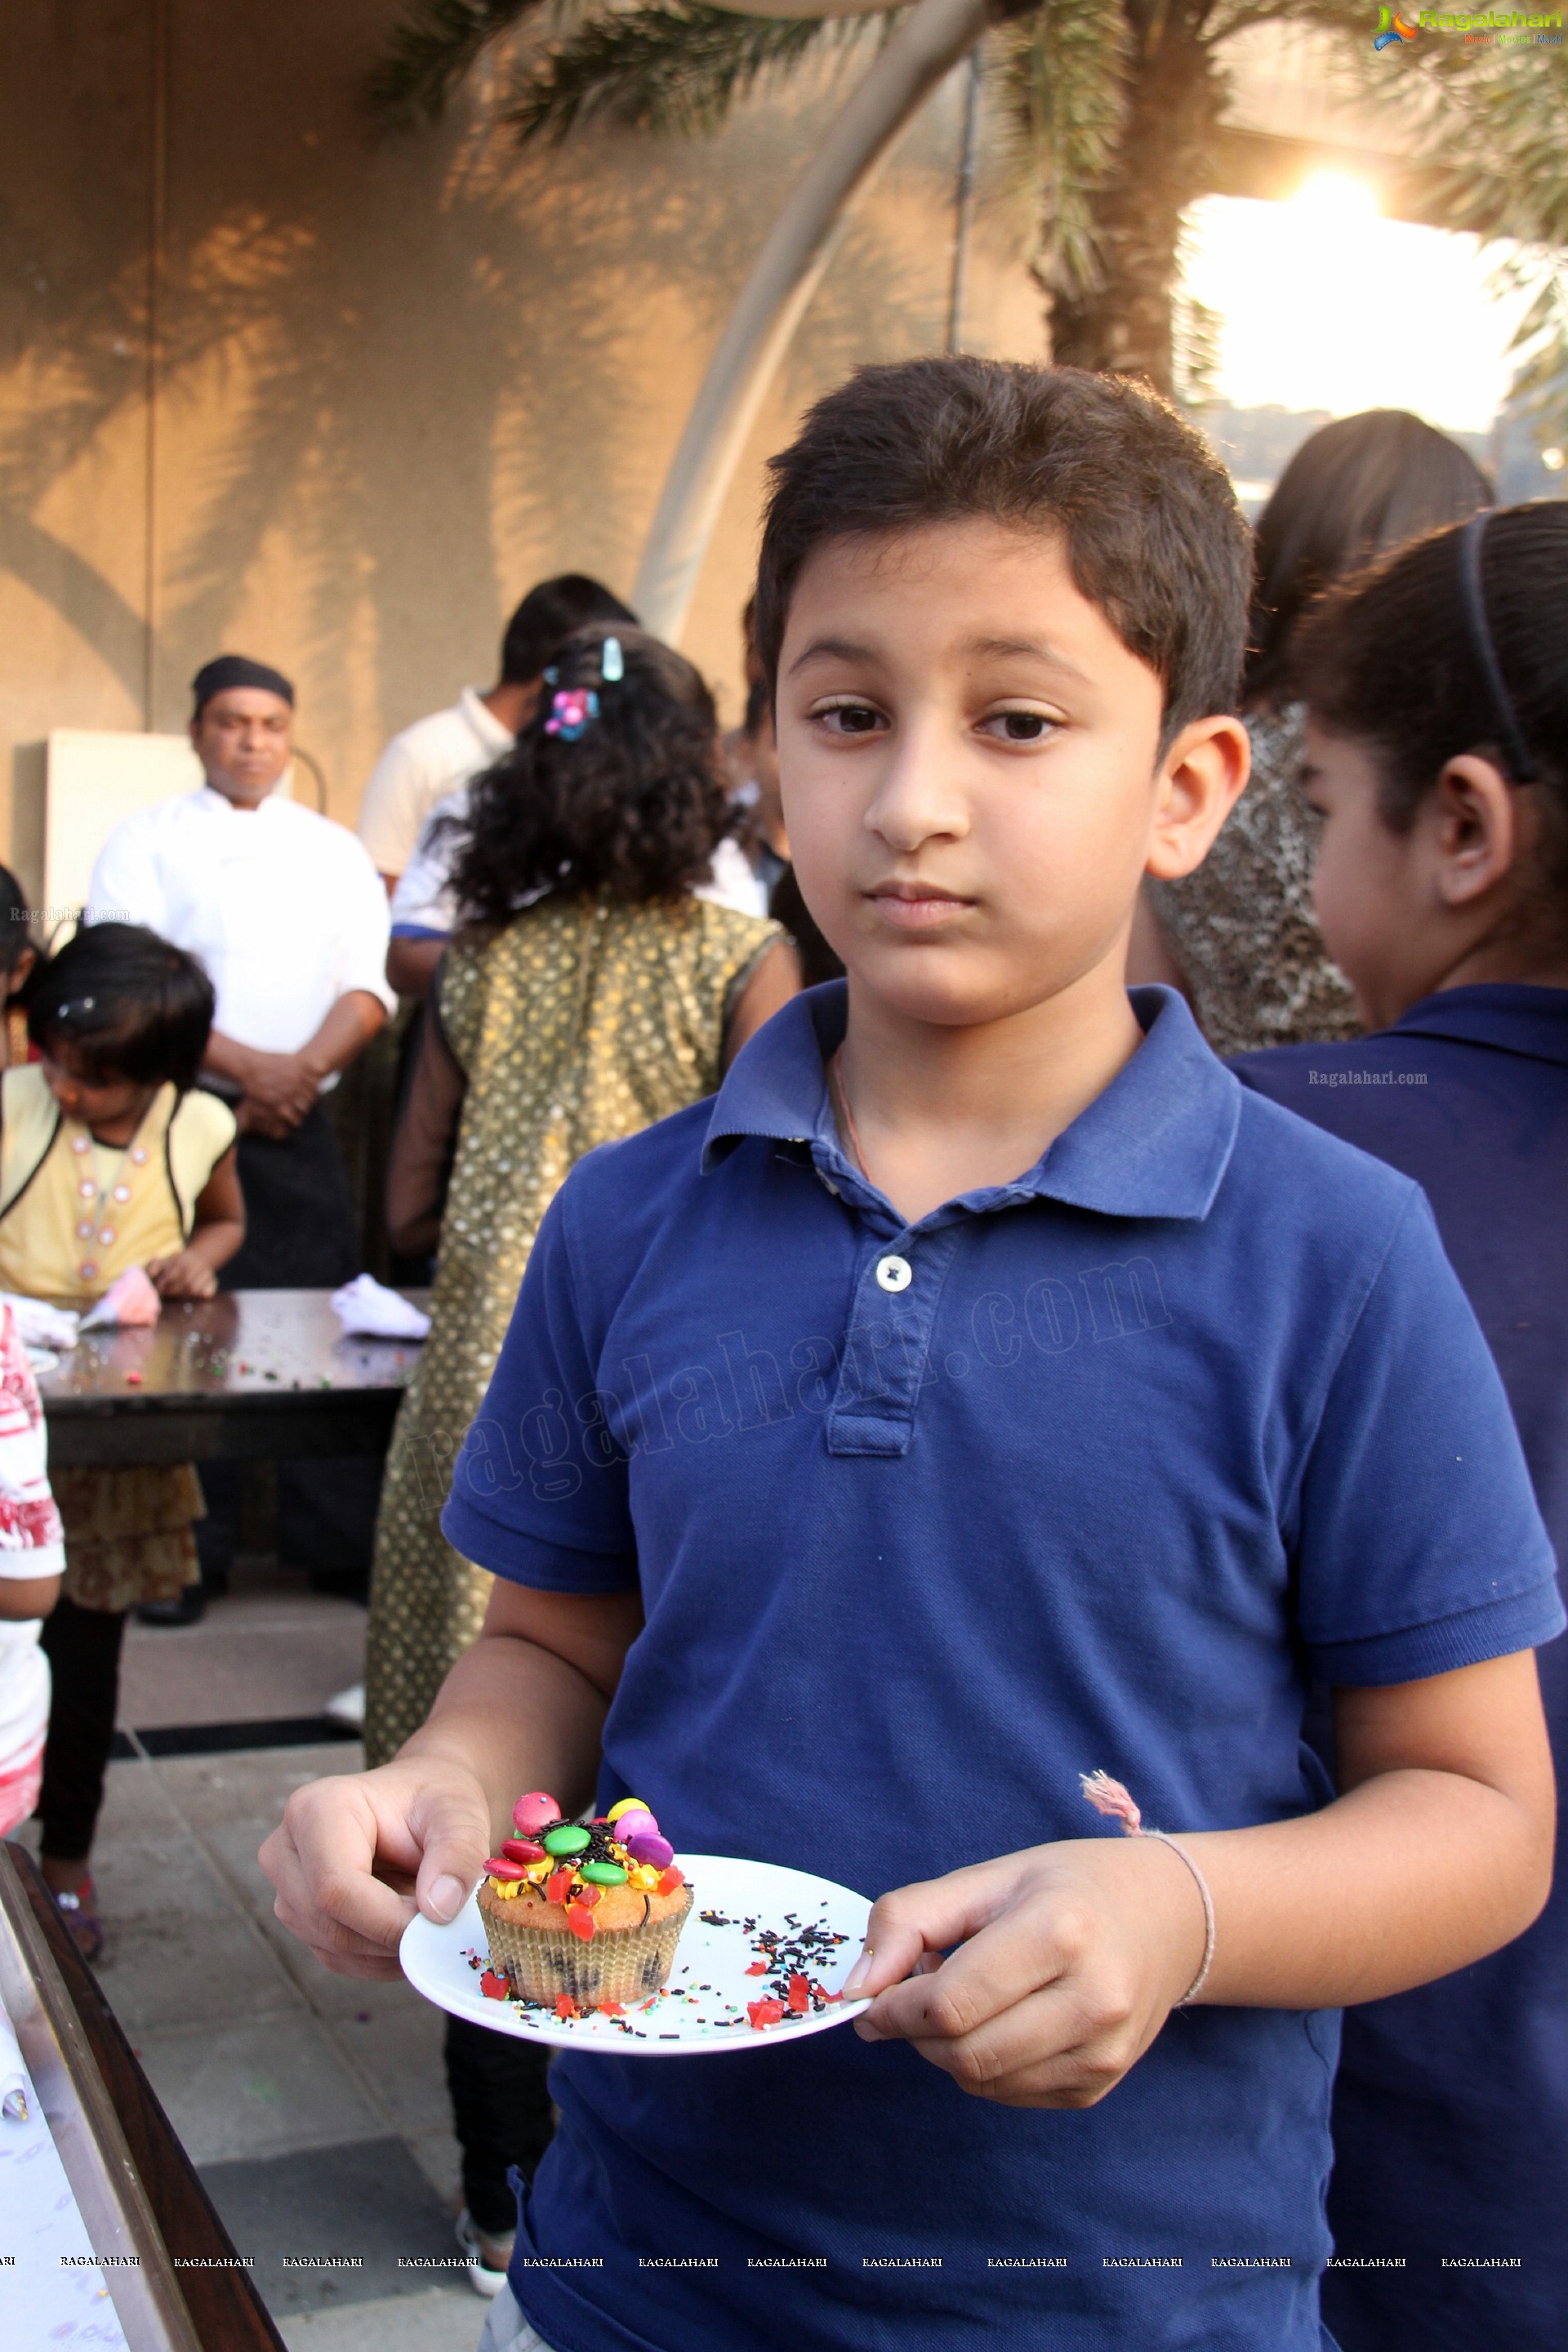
321, 1860
926, 1917
452, 1830
985, 1978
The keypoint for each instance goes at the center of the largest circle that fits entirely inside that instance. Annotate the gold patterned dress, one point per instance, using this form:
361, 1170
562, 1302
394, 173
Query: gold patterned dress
584, 1021
1242, 928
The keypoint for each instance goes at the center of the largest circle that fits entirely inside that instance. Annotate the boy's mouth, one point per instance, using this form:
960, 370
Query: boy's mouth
916, 906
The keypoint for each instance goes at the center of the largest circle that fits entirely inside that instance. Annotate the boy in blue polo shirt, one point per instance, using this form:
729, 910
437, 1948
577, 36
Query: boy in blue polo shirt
984, 1391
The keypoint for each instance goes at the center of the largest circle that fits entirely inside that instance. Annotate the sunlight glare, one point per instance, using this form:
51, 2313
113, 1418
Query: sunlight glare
1324, 303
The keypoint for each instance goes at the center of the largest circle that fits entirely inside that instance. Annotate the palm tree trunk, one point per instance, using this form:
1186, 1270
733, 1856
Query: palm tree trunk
1163, 157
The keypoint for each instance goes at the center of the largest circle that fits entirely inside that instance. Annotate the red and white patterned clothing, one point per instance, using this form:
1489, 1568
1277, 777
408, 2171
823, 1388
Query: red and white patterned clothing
31, 1545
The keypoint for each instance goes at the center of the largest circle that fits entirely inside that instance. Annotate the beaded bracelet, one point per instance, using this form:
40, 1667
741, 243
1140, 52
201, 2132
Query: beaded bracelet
1110, 1797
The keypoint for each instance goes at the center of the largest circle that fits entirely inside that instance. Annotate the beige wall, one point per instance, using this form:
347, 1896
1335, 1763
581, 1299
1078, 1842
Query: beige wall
395, 382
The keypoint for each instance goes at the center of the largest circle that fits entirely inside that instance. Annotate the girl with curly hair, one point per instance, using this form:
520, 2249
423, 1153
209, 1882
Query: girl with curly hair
586, 993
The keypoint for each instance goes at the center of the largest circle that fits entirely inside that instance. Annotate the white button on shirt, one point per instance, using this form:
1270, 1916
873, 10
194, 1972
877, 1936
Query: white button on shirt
894, 1273
284, 908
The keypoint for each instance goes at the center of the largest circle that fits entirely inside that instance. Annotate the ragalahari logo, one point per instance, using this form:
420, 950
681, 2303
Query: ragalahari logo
1391, 27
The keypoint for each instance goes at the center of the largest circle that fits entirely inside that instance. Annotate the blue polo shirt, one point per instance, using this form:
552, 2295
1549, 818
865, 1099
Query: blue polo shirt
1092, 1469
1451, 2108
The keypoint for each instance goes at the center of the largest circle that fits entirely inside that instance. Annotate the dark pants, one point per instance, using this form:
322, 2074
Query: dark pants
82, 1647
299, 1235
501, 2111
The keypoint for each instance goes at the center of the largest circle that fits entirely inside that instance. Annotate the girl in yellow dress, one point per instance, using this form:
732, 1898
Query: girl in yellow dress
110, 1157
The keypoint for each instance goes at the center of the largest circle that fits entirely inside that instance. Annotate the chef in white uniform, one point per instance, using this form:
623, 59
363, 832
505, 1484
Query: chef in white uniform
288, 914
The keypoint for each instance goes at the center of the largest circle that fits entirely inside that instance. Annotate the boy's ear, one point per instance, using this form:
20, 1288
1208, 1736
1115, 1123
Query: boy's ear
1474, 817
1199, 781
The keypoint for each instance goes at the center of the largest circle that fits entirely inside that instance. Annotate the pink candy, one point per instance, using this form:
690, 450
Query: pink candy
534, 1812
656, 1851
634, 1824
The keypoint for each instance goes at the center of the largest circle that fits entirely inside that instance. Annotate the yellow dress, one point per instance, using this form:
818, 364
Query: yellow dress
583, 1021
73, 1216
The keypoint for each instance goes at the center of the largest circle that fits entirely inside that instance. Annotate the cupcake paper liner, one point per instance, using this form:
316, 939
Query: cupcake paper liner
624, 1964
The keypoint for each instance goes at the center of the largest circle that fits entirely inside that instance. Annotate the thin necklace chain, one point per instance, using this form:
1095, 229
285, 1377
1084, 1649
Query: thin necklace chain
841, 1101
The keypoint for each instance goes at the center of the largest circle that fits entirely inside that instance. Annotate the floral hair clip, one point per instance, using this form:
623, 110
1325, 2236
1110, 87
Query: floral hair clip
612, 662
570, 712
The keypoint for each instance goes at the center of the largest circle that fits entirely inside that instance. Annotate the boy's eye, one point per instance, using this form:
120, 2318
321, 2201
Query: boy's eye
1017, 726
850, 718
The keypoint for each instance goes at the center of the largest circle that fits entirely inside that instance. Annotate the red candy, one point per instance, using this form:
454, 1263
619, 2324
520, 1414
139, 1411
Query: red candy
521, 1849
494, 1988
669, 1880
498, 1867
534, 1812
799, 1993
566, 2006
558, 1885
764, 2012
579, 1919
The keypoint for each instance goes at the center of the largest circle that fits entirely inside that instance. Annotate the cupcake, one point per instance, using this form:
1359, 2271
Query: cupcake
581, 1917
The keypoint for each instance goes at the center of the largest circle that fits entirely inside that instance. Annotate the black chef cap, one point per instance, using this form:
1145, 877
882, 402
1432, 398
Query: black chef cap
233, 669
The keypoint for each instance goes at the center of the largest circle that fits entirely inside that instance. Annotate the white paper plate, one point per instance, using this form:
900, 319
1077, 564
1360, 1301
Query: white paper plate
736, 1907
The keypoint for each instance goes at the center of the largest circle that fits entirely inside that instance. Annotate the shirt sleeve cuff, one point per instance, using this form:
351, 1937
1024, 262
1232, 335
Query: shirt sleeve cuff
527, 1559
1498, 1628
418, 931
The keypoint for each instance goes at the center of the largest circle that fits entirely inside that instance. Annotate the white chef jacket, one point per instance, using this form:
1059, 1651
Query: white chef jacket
424, 905
284, 908
420, 767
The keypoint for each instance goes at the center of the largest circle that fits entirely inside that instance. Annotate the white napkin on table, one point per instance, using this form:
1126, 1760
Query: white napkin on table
39, 1325
367, 1309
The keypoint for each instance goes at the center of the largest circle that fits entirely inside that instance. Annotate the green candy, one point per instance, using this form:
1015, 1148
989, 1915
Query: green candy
604, 1873
566, 1838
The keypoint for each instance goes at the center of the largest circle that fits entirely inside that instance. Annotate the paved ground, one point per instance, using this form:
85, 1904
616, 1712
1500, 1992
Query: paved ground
314, 2107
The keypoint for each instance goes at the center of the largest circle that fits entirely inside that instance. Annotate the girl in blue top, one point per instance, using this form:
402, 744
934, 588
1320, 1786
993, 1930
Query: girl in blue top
1442, 887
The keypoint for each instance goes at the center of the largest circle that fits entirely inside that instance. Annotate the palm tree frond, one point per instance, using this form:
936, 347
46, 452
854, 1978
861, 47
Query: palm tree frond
1063, 79
428, 53
676, 68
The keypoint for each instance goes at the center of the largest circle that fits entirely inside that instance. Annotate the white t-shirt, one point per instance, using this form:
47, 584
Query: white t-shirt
424, 906
284, 908
420, 767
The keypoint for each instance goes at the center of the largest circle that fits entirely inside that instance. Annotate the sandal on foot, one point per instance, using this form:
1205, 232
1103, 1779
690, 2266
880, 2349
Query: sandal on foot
82, 1922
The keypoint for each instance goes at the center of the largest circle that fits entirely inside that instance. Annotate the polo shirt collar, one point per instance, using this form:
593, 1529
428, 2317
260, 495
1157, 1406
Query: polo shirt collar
1505, 1014
1156, 1143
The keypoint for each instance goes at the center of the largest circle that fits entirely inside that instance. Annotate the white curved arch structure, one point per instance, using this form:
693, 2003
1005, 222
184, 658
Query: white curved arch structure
931, 41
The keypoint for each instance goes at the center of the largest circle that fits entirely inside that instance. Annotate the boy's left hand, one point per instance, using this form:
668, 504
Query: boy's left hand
186, 1275
1070, 1959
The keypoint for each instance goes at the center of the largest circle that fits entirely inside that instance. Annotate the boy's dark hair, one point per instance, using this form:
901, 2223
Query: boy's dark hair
548, 613
1152, 532
633, 805
1394, 660
1361, 486
118, 1001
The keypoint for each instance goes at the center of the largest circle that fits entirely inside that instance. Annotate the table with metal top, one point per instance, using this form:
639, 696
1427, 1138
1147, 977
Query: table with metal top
250, 1374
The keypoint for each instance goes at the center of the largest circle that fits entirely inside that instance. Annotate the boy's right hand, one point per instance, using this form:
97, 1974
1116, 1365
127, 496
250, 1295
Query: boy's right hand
355, 1857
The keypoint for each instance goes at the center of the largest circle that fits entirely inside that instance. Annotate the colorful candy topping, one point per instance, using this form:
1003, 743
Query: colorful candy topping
534, 1812
573, 1866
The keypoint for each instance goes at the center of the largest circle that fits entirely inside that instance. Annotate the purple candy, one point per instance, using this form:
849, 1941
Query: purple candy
656, 1851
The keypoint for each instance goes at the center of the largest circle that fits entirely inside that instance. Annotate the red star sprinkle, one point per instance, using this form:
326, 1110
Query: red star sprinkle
494, 1988
566, 2006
